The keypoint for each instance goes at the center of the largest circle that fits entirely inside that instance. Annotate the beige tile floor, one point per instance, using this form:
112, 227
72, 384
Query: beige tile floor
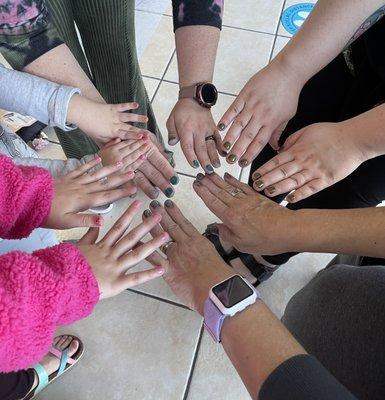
144, 344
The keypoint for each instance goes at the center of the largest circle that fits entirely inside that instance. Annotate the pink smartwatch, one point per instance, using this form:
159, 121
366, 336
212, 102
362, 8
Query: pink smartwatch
225, 300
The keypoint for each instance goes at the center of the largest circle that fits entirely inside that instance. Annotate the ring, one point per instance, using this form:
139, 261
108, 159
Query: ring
104, 180
234, 192
164, 248
211, 137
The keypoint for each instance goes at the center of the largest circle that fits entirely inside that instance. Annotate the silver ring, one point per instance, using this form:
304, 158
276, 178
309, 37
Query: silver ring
104, 180
211, 137
164, 248
234, 192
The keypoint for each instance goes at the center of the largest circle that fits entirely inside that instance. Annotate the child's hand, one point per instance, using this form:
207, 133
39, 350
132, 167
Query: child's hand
104, 122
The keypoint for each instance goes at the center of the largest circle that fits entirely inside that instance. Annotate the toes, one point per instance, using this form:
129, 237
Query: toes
66, 343
59, 344
73, 347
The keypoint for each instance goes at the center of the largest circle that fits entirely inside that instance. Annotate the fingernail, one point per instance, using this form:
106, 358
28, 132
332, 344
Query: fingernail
227, 145
160, 270
290, 198
256, 176
197, 183
119, 164
99, 221
195, 164
270, 189
232, 158
169, 204
140, 136
136, 204
244, 163
147, 213
223, 153
174, 180
221, 126
213, 228
209, 169
157, 217
259, 184
143, 157
200, 176
98, 159
227, 175
216, 164
131, 174
169, 192
172, 140
155, 204
154, 193
165, 236
136, 105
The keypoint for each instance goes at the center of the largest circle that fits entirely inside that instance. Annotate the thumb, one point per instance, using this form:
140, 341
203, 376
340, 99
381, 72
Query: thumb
82, 220
90, 237
173, 137
290, 141
274, 140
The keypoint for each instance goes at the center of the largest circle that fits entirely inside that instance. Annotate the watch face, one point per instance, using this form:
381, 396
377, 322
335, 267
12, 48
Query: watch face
209, 93
232, 291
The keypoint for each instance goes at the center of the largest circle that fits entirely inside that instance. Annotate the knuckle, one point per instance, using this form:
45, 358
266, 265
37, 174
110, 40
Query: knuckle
249, 135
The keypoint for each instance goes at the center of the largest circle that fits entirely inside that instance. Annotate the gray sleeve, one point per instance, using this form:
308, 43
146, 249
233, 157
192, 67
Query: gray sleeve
30, 95
303, 377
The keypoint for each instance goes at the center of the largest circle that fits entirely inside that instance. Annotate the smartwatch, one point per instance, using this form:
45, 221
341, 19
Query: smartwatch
204, 93
225, 300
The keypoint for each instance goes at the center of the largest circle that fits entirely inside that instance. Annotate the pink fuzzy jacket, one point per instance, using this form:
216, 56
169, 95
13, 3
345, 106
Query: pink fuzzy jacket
42, 290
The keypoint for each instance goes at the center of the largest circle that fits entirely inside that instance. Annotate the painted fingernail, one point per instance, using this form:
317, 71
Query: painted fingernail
143, 157
137, 204
209, 169
119, 164
227, 145
256, 176
98, 159
131, 174
200, 176
174, 180
169, 192
227, 175
221, 126
195, 164
154, 193
155, 204
147, 213
223, 153
244, 163
232, 158
290, 198
270, 189
165, 236
259, 184
172, 140
99, 221
156, 217
216, 164
169, 204
160, 270
197, 183
135, 105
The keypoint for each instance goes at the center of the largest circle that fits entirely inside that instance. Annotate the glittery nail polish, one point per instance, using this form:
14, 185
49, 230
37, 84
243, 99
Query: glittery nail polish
221, 126
227, 145
155, 204
147, 213
169, 204
169, 192
195, 164
216, 164
259, 184
270, 189
209, 169
200, 176
174, 180
197, 183
256, 176
244, 163
232, 158
223, 153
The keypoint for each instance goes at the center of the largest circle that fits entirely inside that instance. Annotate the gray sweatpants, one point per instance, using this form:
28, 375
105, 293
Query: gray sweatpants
339, 317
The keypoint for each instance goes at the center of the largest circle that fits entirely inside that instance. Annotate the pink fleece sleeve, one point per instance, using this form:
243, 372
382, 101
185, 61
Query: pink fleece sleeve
39, 292
25, 198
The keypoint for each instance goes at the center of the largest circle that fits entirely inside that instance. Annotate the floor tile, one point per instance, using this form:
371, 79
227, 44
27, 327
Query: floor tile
136, 348
257, 15
240, 55
164, 102
280, 43
146, 24
159, 50
151, 84
281, 30
155, 6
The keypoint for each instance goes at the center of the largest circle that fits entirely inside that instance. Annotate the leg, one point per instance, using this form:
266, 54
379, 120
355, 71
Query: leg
15, 385
339, 317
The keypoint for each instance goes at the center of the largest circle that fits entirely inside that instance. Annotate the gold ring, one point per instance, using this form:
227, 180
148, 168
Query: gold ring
164, 248
235, 191
211, 137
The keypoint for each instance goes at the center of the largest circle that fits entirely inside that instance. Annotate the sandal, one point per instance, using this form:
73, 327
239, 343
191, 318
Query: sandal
66, 363
253, 271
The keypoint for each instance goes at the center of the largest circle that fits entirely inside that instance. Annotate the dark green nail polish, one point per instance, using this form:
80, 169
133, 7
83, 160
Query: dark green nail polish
147, 213
155, 204
216, 164
232, 158
169, 192
227, 145
196, 164
256, 176
200, 176
244, 163
221, 126
174, 180
209, 169
169, 204
259, 183
223, 153
270, 189
197, 183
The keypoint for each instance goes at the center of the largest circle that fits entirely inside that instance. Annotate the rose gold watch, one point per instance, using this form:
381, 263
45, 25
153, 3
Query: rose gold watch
204, 93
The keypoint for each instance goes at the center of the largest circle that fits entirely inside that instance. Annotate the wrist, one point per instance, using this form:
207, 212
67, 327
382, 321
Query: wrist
74, 109
291, 69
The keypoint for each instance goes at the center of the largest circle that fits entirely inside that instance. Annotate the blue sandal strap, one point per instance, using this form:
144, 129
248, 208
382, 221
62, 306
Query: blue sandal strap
42, 376
63, 362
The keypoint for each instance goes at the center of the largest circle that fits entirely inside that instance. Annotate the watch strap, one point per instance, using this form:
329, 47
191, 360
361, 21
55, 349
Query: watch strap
188, 92
214, 320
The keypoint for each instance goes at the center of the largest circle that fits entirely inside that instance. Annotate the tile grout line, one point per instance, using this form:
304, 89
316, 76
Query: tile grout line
194, 360
276, 31
173, 303
163, 75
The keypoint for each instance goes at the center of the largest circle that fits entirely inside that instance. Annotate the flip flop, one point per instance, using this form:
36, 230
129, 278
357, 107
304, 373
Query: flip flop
66, 363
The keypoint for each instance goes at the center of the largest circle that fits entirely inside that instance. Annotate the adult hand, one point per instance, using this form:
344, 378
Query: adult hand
191, 124
79, 190
193, 265
260, 113
311, 160
252, 223
118, 252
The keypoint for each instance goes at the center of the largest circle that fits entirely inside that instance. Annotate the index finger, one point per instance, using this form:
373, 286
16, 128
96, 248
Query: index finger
229, 116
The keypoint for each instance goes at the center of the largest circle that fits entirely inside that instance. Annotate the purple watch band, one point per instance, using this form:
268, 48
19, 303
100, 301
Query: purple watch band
214, 320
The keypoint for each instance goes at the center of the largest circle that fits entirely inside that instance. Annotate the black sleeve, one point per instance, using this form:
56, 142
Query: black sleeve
303, 377
197, 12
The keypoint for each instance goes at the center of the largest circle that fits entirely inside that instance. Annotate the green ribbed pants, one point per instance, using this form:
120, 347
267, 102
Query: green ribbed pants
107, 29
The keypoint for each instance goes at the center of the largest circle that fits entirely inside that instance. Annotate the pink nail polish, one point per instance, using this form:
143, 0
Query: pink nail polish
99, 221
98, 159
140, 136
143, 157
119, 164
130, 174
165, 236
160, 270
137, 204
157, 217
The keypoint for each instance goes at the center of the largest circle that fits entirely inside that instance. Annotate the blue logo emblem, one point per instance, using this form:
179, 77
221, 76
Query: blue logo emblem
294, 16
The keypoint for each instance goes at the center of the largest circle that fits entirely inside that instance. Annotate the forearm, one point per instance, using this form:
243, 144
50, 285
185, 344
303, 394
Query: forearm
326, 32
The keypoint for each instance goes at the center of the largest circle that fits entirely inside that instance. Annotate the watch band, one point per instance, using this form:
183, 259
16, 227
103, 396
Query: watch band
214, 320
188, 92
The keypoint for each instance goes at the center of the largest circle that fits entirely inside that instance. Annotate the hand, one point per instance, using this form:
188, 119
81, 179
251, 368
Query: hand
118, 252
190, 124
156, 171
252, 223
104, 122
260, 113
80, 190
193, 265
311, 160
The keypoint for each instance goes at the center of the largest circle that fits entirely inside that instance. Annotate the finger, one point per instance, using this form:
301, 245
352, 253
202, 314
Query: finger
307, 190
98, 199
280, 159
90, 237
229, 116
129, 240
213, 153
130, 117
235, 130
161, 163
187, 145
130, 155
121, 225
176, 215
100, 174
82, 170
145, 185
75, 220
112, 182
274, 140
219, 189
293, 182
122, 107
200, 146
246, 137
173, 137
256, 145
156, 259
238, 184
113, 142
135, 165
291, 140
167, 223
127, 131
137, 278
156, 230
130, 188
157, 178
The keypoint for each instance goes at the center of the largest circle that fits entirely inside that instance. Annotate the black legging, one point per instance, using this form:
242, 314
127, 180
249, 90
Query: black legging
334, 95
16, 385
